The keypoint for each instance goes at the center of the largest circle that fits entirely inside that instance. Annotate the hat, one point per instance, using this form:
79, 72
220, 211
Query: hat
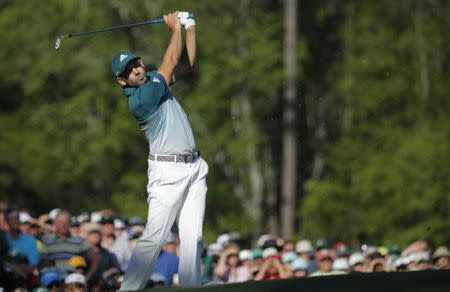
245, 254
78, 261
257, 253
394, 249
323, 254
91, 227
341, 264
303, 246
121, 60
53, 213
214, 248
269, 252
96, 217
322, 243
288, 257
119, 224
421, 256
83, 217
223, 239
24, 217
441, 251
299, 264
48, 276
356, 258
137, 221
75, 278
342, 251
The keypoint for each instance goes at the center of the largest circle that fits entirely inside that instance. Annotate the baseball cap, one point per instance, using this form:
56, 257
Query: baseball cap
257, 253
77, 262
75, 278
303, 246
245, 254
356, 258
121, 60
288, 257
269, 252
341, 264
91, 227
223, 239
322, 243
49, 276
299, 264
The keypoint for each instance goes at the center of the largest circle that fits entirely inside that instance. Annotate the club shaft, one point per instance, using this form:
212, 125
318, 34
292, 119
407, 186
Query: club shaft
159, 20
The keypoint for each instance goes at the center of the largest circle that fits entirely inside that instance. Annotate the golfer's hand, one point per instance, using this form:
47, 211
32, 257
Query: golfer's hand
172, 21
185, 21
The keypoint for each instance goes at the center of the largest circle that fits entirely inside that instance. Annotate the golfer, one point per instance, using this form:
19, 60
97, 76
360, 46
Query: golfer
176, 173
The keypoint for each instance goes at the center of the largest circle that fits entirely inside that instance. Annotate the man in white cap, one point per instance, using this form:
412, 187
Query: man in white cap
75, 283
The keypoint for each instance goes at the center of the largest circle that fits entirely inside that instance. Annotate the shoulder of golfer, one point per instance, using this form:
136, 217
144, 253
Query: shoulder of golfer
174, 49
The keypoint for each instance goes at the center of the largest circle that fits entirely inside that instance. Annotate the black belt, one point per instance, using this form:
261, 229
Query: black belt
186, 158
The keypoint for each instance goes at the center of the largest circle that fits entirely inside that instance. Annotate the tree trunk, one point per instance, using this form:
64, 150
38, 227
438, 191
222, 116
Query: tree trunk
289, 136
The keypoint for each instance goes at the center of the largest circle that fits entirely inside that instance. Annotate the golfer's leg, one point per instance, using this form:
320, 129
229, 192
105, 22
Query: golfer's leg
148, 247
190, 230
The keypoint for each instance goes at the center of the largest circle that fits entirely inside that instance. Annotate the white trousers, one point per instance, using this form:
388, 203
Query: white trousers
176, 194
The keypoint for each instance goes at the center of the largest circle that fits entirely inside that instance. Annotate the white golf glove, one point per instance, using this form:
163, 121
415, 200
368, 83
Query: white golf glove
185, 20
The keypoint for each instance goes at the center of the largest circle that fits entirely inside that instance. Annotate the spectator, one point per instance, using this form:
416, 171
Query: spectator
325, 260
19, 242
299, 268
75, 282
305, 251
287, 259
60, 246
441, 258
119, 246
51, 280
272, 267
356, 261
106, 260
3, 225
167, 262
229, 268
246, 258
377, 265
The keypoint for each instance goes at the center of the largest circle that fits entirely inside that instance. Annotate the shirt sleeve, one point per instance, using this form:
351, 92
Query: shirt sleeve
152, 92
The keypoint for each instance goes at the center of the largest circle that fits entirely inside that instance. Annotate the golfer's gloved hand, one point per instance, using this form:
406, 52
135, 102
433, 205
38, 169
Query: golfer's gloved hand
185, 21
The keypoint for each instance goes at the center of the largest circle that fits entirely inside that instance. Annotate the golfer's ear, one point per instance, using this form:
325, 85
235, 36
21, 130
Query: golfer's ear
121, 81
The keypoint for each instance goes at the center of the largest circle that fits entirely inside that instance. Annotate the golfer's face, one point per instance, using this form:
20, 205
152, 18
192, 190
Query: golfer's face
134, 73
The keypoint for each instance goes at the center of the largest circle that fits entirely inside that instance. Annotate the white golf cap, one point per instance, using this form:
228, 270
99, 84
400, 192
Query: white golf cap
303, 246
223, 239
96, 217
52, 214
214, 248
24, 217
270, 251
119, 224
356, 258
341, 264
245, 254
75, 278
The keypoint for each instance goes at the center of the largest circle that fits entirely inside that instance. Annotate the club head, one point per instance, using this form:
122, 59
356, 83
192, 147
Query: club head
58, 43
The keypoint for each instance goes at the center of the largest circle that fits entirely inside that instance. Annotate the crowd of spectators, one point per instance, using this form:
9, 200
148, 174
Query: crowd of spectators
90, 252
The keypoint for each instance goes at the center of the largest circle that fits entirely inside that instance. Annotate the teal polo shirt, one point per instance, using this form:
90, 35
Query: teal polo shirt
160, 116
26, 245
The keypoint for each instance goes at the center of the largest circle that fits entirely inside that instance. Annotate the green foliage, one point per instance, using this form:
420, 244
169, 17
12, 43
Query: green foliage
68, 140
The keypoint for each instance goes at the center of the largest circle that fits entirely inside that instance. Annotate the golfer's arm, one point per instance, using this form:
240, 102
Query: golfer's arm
191, 45
184, 69
172, 56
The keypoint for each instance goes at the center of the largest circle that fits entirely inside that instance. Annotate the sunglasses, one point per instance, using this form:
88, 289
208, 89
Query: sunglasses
129, 68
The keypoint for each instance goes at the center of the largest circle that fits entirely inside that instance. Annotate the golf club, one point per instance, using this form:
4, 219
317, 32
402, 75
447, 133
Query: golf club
159, 20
